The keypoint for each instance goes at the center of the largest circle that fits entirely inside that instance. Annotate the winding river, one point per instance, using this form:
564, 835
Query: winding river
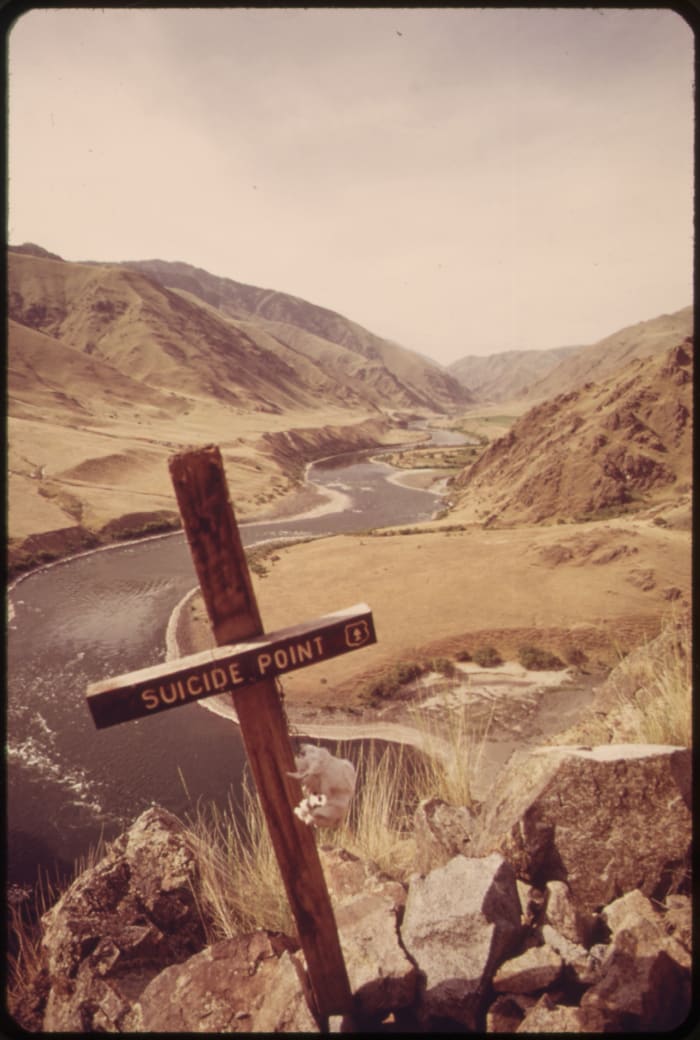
105, 613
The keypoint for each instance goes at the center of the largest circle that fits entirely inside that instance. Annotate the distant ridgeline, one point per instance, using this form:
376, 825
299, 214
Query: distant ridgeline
170, 326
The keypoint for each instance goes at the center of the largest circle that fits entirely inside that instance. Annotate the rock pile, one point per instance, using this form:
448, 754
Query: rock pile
562, 907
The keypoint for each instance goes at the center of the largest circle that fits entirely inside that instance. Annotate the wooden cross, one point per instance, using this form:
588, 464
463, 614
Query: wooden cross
245, 664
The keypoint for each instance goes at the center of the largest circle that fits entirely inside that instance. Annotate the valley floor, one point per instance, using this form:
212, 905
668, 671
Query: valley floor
587, 592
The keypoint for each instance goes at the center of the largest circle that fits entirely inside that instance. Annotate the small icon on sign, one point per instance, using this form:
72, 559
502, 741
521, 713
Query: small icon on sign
357, 633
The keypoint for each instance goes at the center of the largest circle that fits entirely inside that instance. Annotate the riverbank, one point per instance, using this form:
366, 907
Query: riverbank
264, 473
507, 706
597, 588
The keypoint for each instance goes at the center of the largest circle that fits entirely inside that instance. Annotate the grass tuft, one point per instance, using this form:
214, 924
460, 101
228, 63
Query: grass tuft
240, 884
535, 659
487, 657
655, 688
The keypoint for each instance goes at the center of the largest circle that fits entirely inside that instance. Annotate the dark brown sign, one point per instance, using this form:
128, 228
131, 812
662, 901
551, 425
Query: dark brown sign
228, 668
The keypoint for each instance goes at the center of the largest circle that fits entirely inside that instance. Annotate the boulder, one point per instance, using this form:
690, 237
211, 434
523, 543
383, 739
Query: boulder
606, 820
678, 919
635, 913
549, 1017
119, 924
285, 1005
628, 910
223, 989
535, 969
347, 876
507, 1012
562, 913
584, 965
382, 978
460, 922
442, 831
642, 988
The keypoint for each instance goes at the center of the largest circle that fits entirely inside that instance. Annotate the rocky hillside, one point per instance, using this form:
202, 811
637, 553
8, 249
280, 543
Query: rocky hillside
508, 374
562, 906
599, 362
615, 444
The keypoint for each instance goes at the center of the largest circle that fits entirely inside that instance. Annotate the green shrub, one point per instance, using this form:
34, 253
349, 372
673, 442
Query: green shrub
443, 665
389, 682
487, 657
575, 656
407, 671
535, 659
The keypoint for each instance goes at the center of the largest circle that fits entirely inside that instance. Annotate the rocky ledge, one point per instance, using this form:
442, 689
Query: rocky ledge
563, 906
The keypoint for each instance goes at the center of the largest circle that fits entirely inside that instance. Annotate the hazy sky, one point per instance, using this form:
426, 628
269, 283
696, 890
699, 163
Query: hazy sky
462, 181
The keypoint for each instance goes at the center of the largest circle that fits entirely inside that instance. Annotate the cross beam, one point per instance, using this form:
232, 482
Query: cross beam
148, 691
245, 664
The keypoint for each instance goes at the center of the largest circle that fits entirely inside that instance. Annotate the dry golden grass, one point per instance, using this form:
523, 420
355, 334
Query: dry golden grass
436, 586
24, 956
241, 888
240, 884
655, 684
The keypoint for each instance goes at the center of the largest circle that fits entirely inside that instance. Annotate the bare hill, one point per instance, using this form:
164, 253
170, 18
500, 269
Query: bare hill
598, 362
399, 377
110, 372
608, 446
148, 333
44, 374
507, 374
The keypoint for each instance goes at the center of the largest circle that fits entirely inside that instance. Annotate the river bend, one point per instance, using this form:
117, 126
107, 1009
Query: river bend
106, 613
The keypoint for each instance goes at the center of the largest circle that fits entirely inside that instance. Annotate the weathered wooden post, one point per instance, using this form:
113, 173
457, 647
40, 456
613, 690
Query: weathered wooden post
248, 672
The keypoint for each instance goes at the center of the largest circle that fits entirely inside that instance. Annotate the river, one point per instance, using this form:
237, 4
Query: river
105, 613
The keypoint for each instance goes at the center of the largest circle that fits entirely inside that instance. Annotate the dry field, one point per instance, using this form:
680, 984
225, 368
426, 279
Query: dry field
92, 473
597, 589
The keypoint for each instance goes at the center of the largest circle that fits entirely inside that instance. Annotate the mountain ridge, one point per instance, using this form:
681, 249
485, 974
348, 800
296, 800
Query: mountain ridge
161, 333
241, 301
507, 374
602, 359
620, 444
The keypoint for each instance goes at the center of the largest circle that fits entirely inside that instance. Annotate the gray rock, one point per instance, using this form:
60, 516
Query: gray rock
535, 969
442, 831
507, 1012
563, 915
285, 1005
460, 921
605, 820
217, 990
382, 978
629, 909
549, 1017
119, 924
634, 913
678, 920
641, 987
347, 876
584, 964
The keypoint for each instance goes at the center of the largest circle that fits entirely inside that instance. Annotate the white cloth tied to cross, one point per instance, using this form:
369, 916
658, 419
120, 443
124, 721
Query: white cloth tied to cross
328, 784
